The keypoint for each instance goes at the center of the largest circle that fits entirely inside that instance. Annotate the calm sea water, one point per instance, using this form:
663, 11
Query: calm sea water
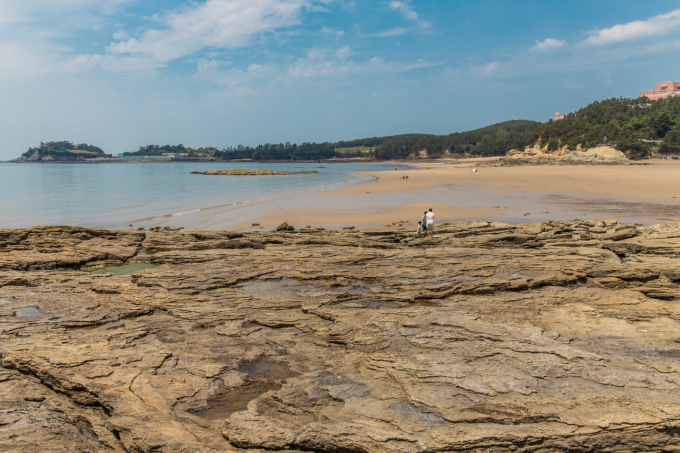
114, 195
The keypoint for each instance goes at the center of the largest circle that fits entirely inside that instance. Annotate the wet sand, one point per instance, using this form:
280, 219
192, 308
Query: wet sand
647, 194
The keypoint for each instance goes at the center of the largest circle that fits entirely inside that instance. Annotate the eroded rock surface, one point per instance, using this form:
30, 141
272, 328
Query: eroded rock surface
558, 336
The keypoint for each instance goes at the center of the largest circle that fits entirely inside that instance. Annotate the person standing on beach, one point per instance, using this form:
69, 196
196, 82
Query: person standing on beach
424, 220
430, 222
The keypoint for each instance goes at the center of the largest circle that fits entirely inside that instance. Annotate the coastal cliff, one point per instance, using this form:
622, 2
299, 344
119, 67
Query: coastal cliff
555, 336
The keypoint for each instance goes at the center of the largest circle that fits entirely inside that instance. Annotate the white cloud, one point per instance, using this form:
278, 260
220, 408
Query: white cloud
407, 11
110, 63
635, 30
396, 31
547, 44
332, 31
121, 34
317, 65
214, 24
493, 68
326, 63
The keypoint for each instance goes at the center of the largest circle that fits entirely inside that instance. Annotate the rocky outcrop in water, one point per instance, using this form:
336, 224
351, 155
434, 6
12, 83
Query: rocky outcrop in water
546, 337
249, 172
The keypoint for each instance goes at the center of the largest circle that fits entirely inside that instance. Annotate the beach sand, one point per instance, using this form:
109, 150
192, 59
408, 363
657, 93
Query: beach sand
648, 193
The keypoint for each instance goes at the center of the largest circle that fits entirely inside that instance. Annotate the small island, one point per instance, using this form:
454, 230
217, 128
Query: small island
250, 172
64, 151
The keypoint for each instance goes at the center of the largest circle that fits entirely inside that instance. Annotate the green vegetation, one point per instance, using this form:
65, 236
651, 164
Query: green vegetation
355, 151
305, 151
494, 140
157, 150
638, 127
62, 151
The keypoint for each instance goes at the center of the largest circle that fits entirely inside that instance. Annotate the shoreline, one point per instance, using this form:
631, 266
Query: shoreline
645, 194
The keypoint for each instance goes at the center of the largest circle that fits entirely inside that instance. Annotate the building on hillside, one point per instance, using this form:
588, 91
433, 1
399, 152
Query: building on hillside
663, 90
558, 116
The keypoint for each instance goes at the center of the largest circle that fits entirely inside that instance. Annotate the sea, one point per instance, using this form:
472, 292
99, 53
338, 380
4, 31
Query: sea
117, 195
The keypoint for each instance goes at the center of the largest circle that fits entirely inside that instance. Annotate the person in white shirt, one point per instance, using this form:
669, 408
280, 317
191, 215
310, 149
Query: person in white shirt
430, 222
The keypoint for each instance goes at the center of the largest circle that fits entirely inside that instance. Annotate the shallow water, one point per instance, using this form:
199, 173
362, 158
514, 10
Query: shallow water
262, 376
124, 268
114, 195
29, 311
286, 288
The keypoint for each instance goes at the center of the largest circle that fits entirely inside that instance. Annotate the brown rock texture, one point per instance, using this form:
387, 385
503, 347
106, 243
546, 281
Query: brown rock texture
489, 337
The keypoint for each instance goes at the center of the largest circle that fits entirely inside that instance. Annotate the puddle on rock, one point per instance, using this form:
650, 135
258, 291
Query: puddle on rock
148, 252
360, 288
425, 303
285, 288
124, 268
87, 430
368, 303
264, 375
29, 311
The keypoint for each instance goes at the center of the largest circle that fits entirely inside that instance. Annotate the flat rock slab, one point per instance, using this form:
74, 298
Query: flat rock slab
561, 336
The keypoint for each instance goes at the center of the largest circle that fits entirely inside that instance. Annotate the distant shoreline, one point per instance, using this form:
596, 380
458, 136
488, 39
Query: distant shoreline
234, 161
141, 160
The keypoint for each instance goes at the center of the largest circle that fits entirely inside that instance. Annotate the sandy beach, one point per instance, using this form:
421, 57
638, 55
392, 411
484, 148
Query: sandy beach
646, 193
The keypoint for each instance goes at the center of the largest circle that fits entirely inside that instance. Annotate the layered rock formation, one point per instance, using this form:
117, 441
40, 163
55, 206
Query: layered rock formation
559, 337
601, 155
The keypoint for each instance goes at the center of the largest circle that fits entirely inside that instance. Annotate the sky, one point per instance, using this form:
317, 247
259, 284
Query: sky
121, 74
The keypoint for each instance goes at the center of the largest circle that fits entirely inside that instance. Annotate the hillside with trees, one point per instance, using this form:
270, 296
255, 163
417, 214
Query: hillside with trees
494, 140
309, 151
62, 151
638, 127
157, 150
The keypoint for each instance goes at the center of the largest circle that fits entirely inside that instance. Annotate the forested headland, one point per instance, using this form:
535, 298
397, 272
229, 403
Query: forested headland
62, 151
638, 127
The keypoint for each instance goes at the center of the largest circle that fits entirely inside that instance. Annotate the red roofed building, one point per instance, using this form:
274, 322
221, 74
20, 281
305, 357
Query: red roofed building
558, 116
663, 90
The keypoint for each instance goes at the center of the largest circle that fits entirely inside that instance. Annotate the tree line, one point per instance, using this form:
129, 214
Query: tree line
494, 140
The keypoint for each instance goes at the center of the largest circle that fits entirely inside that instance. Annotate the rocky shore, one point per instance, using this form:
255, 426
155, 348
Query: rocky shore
490, 337
604, 155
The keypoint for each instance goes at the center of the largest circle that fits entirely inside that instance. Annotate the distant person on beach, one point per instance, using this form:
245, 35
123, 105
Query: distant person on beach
424, 222
430, 222
420, 229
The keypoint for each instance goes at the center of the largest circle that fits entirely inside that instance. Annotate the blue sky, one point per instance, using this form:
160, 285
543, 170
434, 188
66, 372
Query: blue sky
125, 73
